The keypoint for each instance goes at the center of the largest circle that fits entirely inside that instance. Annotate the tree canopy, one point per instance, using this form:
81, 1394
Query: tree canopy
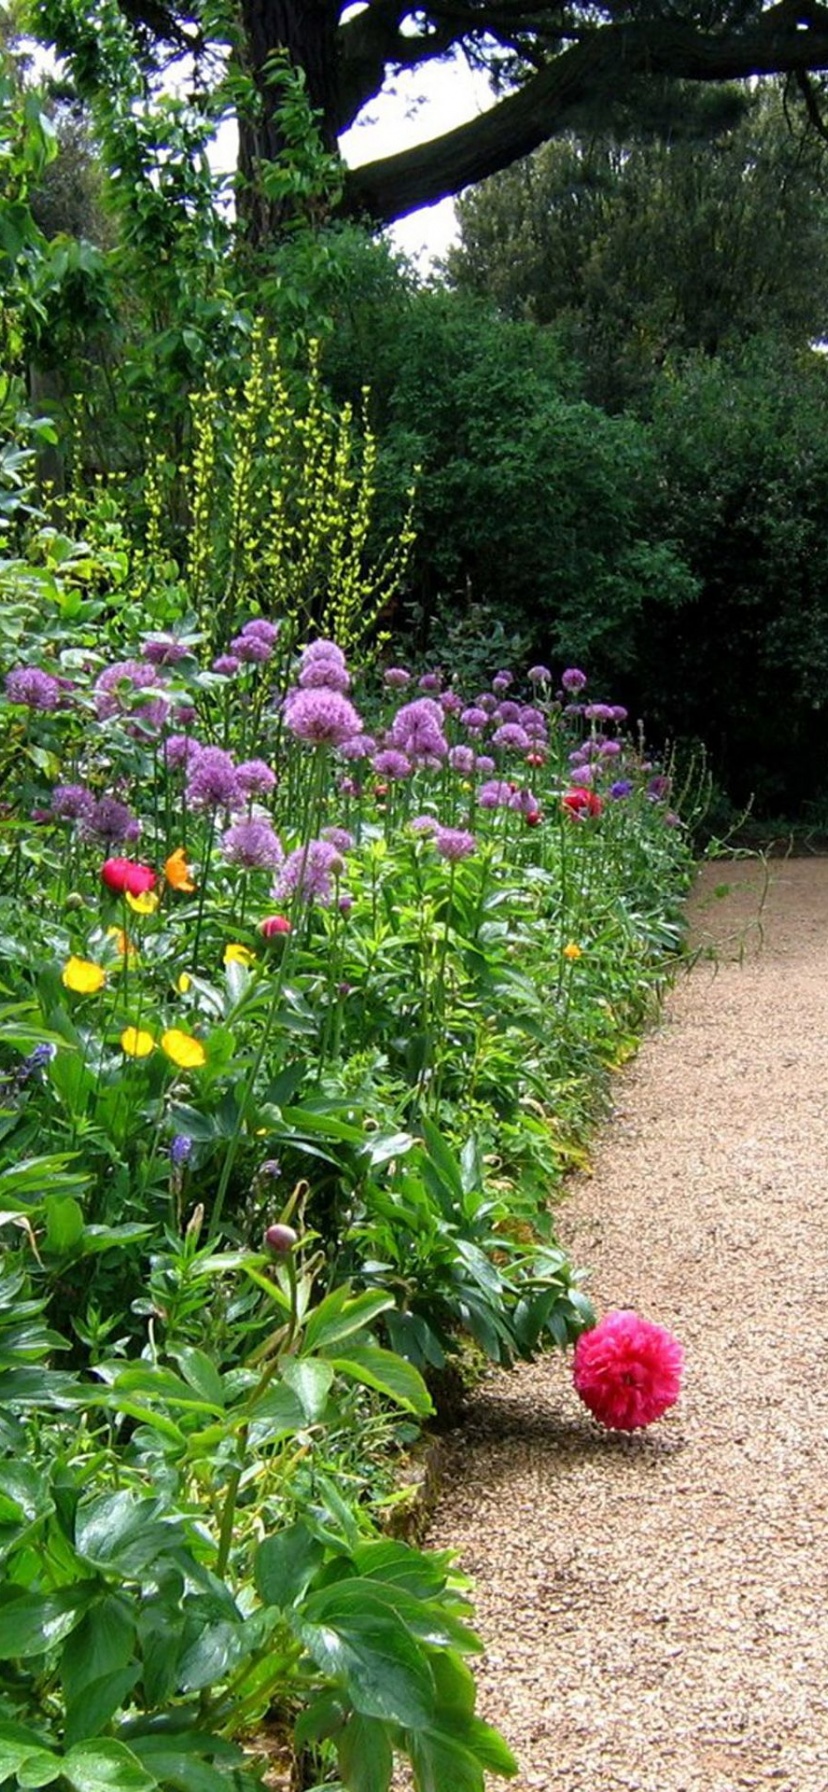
554, 68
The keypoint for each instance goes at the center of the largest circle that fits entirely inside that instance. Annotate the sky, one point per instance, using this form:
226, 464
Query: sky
417, 106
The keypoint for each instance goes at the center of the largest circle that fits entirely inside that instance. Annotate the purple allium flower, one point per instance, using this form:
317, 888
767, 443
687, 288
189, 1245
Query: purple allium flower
227, 664
163, 650
111, 821
484, 764
184, 714
29, 686
486, 701
450, 703
324, 673
255, 778
619, 713
392, 764
417, 731
430, 681
507, 711
524, 801
511, 736
573, 709
322, 650
118, 685
72, 802
454, 844
310, 872
598, 712
573, 679
621, 788
494, 795
502, 681
658, 788
610, 749
252, 650
253, 845
396, 678
474, 718
579, 755
359, 746
423, 824
583, 774
212, 782
321, 717
539, 675
340, 838
531, 718
461, 759
349, 787
179, 749
260, 629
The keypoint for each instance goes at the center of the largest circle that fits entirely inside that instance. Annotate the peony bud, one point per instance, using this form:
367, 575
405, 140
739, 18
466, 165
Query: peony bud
273, 925
280, 1239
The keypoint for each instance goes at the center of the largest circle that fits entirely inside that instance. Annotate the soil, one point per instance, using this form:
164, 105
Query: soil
654, 1607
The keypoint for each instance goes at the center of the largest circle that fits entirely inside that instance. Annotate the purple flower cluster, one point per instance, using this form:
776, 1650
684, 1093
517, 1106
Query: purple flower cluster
255, 778
573, 680
212, 780
495, 794
32, 688
323, 664
454, 844
417, 731
111, 822
255, 644
253, 844
72, 802
117, 688
163, 650
310, 873
321, 716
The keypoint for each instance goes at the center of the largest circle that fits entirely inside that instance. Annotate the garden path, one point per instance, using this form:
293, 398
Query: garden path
654, 1607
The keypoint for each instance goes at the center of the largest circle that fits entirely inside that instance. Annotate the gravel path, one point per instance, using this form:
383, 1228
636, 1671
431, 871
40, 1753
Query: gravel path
655, 1608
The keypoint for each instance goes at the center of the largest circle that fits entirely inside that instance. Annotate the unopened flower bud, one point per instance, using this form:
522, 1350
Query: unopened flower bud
74, 900
274, 925
280, 1239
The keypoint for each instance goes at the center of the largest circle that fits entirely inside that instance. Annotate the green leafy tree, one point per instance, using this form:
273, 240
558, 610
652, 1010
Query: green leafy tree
658, 246
555, 67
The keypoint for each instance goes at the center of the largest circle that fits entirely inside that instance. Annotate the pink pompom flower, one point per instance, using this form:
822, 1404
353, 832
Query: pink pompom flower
627, 1371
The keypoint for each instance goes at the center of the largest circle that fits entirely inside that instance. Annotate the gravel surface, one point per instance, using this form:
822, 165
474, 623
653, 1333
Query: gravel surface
654, 1607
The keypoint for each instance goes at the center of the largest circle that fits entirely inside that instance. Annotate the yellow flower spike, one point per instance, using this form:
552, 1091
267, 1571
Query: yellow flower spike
146, 904
183, 983
177, 872
135, 1043
82, 976
185, 1051
234, 954
572, 952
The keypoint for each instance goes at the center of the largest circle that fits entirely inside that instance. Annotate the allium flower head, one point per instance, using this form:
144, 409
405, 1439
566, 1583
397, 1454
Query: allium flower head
539, 675
430, 681
163, 650
179, 749
450, 703
253, 844
502, 681
111, 821
454, 844
417, 731
474, 718
324, 673
227, 664
358, 746
339, 837
72, 802
495, 794
212, 782
321, 717
118, 686
599, 712
396, 678
627, 1371
31, 687
508, 711
573, 679
484, 764
511, 737
392, 764
310, 872
255, 777
461, 759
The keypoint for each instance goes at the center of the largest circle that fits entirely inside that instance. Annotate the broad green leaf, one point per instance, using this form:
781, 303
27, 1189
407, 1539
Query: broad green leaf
218, 1649
310, 1380
388, 1373
31, 1623
104, 1766
364, 1755
340, 1314
201, 1373
285, 1564
102, 1643
94, 1707
383, 1671
64, 1223
40, 1768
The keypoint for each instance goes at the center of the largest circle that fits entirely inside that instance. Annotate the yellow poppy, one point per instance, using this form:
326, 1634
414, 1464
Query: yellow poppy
183, 983
80, 975
185, 1051
177, 872
234, 954
145, 904
136, 1043
572, 952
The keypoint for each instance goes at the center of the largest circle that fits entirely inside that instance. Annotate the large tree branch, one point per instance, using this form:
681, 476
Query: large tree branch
603, 66
371, 42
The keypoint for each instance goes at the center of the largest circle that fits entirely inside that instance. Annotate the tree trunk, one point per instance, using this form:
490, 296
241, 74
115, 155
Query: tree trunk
307, 31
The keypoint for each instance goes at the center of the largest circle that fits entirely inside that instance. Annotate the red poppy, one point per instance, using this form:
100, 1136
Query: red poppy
127, 877
582, 802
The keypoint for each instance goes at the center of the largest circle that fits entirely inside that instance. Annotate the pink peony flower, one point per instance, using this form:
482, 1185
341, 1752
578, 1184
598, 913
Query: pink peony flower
627, 1371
